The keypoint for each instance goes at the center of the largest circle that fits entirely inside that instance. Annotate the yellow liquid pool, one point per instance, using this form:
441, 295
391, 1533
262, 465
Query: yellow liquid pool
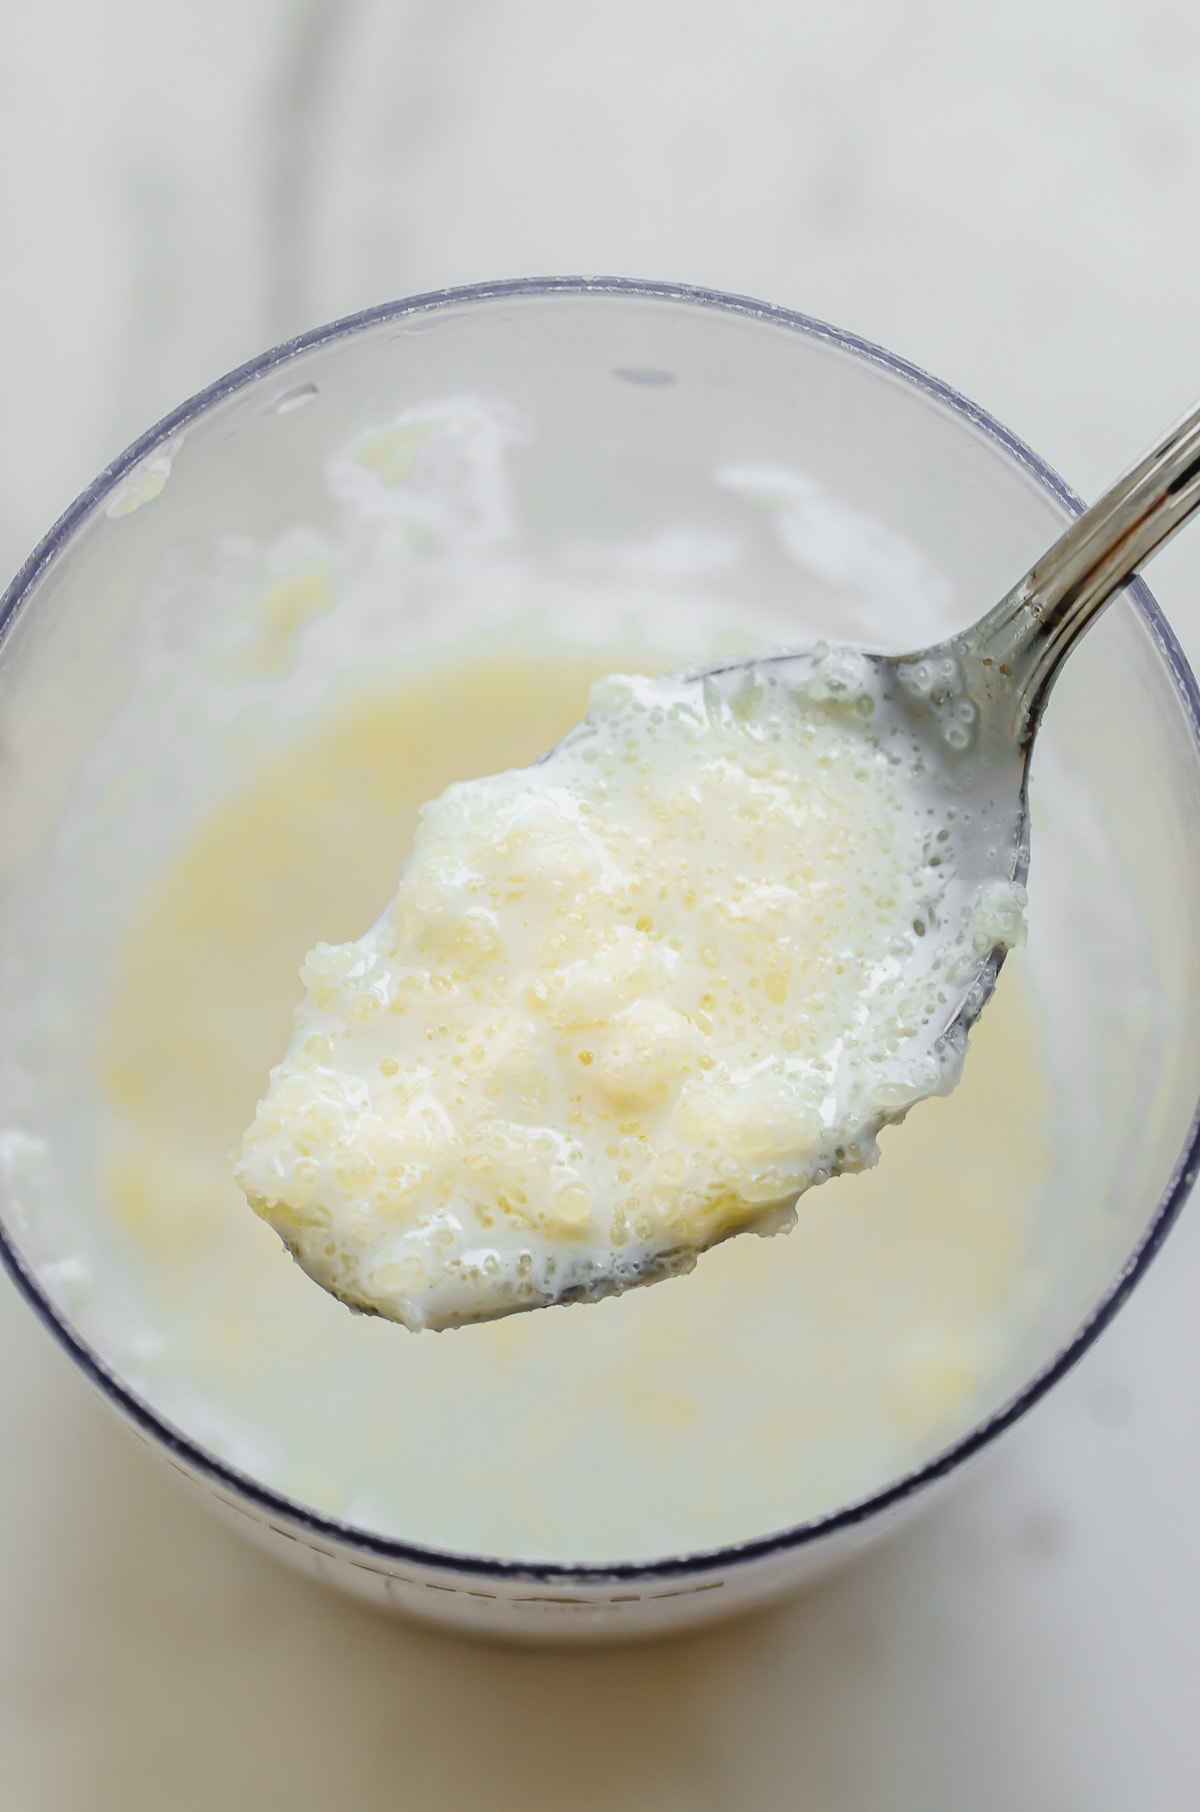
783, 1378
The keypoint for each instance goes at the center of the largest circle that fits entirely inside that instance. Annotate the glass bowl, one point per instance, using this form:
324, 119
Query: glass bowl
601, 460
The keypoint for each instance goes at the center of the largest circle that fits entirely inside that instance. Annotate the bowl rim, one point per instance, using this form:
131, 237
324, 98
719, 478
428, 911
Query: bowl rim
189, 1454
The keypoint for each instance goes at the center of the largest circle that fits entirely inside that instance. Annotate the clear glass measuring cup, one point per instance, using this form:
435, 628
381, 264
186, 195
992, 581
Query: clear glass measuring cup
685, 467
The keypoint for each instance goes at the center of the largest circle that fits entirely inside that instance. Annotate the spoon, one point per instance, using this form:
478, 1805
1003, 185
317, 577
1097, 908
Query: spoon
958, 719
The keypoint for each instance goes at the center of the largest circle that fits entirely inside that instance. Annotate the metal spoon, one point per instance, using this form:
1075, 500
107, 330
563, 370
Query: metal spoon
959, 718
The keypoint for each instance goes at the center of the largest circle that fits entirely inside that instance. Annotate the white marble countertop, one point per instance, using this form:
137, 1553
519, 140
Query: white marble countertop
1005, 195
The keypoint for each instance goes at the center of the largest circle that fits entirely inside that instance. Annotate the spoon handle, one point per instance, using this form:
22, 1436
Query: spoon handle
1031, 631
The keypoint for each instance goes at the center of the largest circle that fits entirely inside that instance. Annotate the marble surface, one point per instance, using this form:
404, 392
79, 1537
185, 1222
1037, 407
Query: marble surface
1005, 195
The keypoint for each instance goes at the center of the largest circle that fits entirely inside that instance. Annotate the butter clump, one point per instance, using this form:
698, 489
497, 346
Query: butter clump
625, 1002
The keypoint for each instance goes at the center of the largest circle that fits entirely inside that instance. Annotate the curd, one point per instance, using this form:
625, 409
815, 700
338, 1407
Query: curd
626, 1002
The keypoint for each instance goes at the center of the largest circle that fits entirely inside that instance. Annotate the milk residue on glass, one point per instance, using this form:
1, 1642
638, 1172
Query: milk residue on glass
628, 1001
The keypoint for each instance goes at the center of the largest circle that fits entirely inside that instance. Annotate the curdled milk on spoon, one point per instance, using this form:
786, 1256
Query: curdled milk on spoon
630, 1000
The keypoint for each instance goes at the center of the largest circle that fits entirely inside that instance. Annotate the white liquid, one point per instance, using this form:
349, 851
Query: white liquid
781, 1379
